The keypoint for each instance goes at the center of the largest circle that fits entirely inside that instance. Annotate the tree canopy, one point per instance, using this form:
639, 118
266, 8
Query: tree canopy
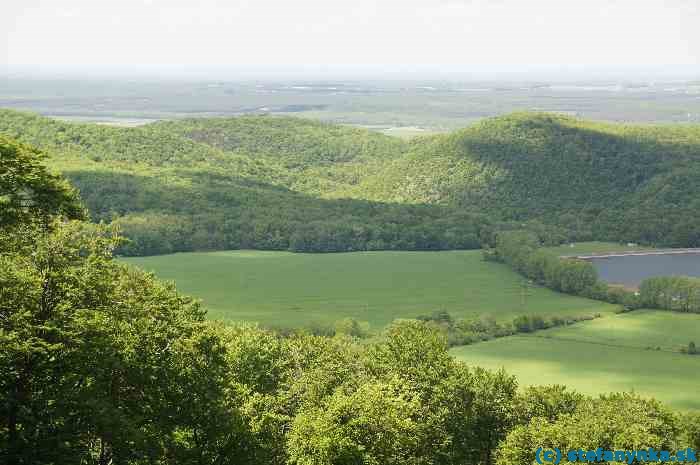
28, 190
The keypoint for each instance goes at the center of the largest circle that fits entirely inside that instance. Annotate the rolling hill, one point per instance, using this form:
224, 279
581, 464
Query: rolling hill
602, 181
291, 184
169, 193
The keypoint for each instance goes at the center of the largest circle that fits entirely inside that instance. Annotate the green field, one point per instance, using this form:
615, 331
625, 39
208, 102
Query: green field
608, 354
290, 290
612, 353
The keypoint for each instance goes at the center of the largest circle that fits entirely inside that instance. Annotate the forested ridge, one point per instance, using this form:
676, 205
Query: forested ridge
168, 193
285, 183
595, 180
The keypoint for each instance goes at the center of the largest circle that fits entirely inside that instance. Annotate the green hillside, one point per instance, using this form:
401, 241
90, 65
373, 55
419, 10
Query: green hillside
284, 183
317, 158
601, 181
294, 141
169, 193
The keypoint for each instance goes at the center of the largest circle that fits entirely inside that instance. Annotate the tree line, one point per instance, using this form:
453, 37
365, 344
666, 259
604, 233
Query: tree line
679, 293
461, 332
523, 251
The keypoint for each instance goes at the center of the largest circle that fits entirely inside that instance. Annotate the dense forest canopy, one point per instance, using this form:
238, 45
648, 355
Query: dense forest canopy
602, 181
291, 184
168, 193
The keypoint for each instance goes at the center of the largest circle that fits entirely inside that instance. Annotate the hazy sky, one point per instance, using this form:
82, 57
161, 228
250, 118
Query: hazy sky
461, 35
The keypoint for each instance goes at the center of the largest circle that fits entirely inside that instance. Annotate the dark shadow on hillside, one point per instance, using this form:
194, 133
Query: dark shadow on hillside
200, 212
554, 163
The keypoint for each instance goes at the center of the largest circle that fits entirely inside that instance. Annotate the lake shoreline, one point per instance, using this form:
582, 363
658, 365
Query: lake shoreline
636, 253
629, 270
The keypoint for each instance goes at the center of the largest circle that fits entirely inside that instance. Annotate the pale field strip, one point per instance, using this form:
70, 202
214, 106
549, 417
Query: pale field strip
636, 253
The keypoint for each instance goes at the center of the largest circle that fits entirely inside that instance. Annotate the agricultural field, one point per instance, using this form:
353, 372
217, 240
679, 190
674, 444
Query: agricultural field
618, 352
283, 289
632, 351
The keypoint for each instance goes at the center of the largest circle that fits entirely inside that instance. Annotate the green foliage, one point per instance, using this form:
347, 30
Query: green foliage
603, 422
379, 423
528, 323
95, 355
678, 293
28, 191
291, 184
522, 251
548, 402
690, 426
297, 143
468, 331
352, 327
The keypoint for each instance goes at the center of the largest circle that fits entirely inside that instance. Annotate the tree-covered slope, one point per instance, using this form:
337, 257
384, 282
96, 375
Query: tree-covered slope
169, 193
603, 181
287, 183
294, 141
319, 158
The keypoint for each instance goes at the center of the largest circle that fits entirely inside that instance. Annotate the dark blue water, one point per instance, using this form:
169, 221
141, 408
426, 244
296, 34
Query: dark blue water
633, 270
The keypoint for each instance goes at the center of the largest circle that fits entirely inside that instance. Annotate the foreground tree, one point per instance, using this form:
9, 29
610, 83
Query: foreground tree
100, 362
28, 191
379, 423
603, 422
547, 402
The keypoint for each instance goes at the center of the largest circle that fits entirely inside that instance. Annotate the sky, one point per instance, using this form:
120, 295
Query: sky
346, 36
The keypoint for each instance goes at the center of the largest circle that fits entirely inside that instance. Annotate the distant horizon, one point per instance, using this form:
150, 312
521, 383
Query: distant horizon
547, 73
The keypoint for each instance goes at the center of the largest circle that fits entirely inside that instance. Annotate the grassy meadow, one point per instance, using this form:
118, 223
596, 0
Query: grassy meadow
290, 290
618, 352
613, 353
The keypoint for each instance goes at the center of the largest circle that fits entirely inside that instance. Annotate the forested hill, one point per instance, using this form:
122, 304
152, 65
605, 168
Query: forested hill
606, 181
287, 183
169, 193
295, 142
318, 158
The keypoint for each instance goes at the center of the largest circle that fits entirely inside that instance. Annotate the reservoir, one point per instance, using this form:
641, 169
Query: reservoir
632, 270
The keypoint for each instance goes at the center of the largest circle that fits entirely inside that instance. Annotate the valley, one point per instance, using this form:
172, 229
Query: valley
235, 210
391, 232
